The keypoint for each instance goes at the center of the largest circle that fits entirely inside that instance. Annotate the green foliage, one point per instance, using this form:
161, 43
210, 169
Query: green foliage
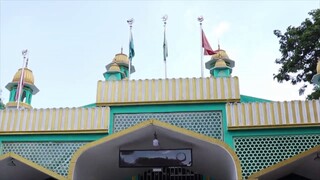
300, 47
315, 94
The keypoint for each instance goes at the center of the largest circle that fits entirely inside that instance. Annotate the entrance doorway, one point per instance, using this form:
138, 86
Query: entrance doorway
170, 173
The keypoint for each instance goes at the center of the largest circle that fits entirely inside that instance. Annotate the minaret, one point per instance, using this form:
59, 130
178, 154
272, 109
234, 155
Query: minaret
2, 106
316, 78
28, 89
220, 69
113, 72
220, 64
118, 69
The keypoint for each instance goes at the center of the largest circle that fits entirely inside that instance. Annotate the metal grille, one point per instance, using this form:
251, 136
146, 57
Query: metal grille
256, 153
208, 123
170, 173
54, 156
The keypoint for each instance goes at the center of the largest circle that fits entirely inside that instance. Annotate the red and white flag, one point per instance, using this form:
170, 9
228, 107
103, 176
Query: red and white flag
206, 46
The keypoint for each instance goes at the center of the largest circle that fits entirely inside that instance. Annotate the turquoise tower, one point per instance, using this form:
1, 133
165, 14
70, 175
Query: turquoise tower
118, 69
2, 106
28, 89
220, 65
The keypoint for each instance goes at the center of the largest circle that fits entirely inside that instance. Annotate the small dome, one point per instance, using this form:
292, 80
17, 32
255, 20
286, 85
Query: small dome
220, 63
121, 59
114, 68
28, 76
220, 55
318, 66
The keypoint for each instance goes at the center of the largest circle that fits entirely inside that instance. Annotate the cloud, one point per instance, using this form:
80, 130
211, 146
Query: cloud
220, 29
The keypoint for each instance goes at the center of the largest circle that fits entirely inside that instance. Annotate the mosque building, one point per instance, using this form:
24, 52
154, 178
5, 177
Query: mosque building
160, 129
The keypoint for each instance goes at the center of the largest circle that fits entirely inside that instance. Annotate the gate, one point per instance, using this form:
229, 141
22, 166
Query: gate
170, 173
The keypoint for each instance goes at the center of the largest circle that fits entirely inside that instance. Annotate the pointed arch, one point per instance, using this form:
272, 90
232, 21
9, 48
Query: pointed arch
134, 136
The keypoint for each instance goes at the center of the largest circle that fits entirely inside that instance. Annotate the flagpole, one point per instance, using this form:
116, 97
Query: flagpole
130, 59
200, 19
130, 22
164, 19
24, 53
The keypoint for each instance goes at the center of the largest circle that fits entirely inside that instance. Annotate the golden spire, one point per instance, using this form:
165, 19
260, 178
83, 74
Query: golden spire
219, 54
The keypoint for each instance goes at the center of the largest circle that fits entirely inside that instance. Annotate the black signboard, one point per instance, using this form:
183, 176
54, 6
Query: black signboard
155, 158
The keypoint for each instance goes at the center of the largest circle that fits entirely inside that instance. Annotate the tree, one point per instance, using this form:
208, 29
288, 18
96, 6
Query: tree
300, 48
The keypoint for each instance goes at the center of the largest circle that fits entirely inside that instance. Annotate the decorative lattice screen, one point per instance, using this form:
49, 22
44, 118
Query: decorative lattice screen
54, 156
208, 123
256, 153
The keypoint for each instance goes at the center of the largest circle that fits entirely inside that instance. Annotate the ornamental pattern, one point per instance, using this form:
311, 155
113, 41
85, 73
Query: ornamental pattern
54, 156
208, 122
256, 153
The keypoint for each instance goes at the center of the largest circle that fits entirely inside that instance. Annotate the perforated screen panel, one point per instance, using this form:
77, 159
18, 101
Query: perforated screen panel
208, 123
256, 153
54, 156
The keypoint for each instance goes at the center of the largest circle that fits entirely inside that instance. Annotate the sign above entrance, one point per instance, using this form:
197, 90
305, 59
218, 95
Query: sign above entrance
155, 158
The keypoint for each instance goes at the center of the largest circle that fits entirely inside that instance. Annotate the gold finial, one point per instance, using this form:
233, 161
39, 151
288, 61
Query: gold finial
219, 54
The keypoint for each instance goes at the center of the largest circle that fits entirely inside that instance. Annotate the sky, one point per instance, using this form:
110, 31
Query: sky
70, 42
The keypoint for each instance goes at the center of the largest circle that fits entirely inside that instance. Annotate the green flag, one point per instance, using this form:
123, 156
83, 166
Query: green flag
165, 47
131, 47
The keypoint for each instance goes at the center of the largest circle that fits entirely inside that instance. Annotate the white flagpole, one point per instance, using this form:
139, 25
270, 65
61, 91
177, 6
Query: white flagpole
164, 18
200, 19
24, 53
130, 22
165, 69
164, 58
129, 68
130, 59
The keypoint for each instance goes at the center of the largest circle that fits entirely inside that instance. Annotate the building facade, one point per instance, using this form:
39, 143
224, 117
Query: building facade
196, 128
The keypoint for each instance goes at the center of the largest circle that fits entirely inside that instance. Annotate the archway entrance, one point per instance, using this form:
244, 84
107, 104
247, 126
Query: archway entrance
170, 173
102, 159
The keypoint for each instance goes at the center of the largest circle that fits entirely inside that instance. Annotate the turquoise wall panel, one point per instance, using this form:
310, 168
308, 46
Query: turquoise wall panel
174, 108
259, 152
